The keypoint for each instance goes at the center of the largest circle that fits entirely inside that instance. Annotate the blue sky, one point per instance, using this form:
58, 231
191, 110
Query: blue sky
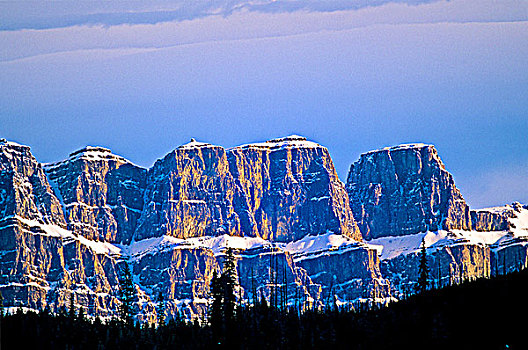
143, 77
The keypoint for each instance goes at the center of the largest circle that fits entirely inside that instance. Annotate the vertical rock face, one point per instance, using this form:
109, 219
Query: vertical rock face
404, 190
288, 188
484, 220
42, 263
190, 194
281, 190
448, 264
24, 189
102, 193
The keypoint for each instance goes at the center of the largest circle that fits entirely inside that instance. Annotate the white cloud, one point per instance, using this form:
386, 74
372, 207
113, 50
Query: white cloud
244, 24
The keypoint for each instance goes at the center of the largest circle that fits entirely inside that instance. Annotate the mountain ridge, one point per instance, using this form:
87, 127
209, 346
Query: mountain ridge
280, 204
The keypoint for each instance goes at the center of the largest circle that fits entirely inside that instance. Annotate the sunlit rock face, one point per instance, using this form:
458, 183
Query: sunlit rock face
405, 190
280, 190
190, 194
41, 262
484, 220
101, 193
24, 189
288, 188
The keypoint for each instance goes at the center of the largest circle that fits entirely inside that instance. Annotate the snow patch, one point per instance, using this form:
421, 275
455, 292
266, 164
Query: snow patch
292, 141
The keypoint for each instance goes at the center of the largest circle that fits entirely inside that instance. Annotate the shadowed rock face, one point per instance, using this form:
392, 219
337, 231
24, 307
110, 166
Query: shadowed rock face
404, 190
448, 265
102, 193
288, 188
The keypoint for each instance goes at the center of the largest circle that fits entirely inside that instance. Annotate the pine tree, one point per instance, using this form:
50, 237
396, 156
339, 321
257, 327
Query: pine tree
222, 316
216, 317
72, 307
126, 294
81, 315
229, 277
160, 309
1, 305
423, 270
229, 281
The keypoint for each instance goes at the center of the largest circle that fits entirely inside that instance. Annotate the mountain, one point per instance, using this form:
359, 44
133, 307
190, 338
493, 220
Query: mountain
299, 234
402, 195
404, 190
72, 225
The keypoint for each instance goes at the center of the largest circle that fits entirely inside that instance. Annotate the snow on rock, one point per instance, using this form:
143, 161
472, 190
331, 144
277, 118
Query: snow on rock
68, 236
89, 153
216, 244
194, 144
320, 243
291, 141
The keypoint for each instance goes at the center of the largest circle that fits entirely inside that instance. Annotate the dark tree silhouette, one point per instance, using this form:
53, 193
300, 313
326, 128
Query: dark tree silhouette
423, 270
126, 294
222, 316
160, 309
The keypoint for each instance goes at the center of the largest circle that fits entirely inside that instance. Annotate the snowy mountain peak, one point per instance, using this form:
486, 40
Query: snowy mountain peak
11, 144
89, 153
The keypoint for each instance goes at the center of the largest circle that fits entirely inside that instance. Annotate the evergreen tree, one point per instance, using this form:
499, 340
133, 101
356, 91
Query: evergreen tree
216, 316
229, 279
160, 309
72, 307
423, 270
1, 305
126, 294
222, 316
81, 315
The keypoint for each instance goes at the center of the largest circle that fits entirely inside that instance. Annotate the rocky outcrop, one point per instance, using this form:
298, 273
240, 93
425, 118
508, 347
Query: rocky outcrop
405, 190
101, 193
280, 190
190, 194
448, 264
42, 263
348, 273
67, 228
288, 188
483, 220
24, 189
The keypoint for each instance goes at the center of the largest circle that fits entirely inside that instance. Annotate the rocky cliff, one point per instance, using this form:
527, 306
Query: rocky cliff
288, 188
190, 194
67, 227
101, 193
404, 190
43, 263
402, 195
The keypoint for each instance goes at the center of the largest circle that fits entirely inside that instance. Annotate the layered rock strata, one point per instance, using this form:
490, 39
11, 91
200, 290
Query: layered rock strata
67, 228
190, 194
101, 193
288, 188
405, 190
